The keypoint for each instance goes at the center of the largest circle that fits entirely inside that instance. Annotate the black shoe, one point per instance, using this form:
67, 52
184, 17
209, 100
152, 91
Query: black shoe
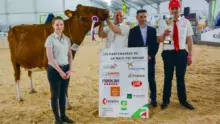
187, 105
66, 119
58, 122
154, 103
164, 105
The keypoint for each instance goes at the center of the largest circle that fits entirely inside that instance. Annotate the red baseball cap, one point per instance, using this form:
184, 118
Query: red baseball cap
174, 3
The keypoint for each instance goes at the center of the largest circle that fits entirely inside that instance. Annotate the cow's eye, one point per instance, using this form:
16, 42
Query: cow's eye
81, 18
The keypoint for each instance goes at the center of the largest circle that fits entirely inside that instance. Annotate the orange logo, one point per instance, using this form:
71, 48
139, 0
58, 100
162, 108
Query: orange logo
115, 91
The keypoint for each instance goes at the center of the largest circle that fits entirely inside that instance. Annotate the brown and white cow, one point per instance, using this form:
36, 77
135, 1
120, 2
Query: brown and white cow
26, 42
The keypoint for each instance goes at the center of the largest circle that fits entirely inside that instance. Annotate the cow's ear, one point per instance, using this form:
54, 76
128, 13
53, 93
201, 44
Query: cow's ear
69, 13
78, 6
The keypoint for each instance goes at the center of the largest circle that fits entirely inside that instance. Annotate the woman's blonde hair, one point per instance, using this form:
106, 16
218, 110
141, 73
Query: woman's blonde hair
56, 18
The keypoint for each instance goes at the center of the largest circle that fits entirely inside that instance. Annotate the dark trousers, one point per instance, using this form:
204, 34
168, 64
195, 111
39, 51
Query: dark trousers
152, 82
178, 60
58, 88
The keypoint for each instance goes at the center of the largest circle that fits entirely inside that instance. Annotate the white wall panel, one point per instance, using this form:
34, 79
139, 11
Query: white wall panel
49, 5
71, 4
133, 11
22, 19
98, 5
164, 7
195, 4
2, 6
3, 20
20, 6
150, 9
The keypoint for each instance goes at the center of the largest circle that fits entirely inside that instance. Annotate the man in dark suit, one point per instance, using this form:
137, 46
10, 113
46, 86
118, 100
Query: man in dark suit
145, 36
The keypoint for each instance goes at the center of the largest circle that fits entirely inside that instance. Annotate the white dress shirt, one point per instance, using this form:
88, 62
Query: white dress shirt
60, 48
144, 33
184, 30
114, 40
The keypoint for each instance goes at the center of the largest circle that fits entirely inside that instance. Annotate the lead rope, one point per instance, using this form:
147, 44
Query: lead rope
70, 32
74, 46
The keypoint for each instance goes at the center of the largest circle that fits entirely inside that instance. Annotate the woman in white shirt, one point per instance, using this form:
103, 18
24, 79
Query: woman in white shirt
59, 57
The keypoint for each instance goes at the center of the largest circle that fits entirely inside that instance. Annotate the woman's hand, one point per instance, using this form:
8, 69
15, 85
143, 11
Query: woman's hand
68, 74
63, 75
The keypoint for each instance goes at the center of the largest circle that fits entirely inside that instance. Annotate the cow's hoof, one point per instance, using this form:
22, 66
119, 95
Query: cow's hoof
33, 91
20, 99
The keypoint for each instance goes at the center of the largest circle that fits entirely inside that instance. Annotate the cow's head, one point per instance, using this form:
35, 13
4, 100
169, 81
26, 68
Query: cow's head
80, 21
84, 15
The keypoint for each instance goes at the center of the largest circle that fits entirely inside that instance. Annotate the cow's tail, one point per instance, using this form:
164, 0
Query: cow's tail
12, 39
11, 35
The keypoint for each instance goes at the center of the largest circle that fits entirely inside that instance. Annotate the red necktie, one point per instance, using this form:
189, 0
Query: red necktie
176, 37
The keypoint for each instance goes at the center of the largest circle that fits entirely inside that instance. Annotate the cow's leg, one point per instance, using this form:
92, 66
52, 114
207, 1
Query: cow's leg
18, 91
17, 73
32, 90
68, 106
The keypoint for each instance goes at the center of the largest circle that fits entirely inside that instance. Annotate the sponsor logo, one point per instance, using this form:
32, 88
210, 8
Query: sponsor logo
216, 36
143, 113
123, 105
130, 64
107, 109
110, 66
105, 101
115, 91
111, 74
123, 113
135, 75
138, 95
137, 69
136, 83
132, 67
130, 96
110, 81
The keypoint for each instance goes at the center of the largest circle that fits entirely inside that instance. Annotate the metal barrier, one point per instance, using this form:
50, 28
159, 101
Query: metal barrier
4, 28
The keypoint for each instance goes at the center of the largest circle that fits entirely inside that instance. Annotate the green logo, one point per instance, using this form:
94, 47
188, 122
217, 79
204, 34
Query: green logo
123, 105
129, 96
141, 112
130, 75
130, 64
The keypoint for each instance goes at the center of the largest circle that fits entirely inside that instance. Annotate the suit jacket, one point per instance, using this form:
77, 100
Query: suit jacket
135, 40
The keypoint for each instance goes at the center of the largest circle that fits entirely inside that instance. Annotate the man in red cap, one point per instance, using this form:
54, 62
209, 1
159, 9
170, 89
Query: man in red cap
174, 53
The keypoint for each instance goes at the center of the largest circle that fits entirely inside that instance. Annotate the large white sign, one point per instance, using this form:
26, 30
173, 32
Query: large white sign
211, 36
123, 83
